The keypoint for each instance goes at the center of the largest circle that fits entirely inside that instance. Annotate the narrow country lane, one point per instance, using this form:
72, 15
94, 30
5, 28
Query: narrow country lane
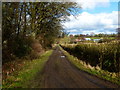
60, 73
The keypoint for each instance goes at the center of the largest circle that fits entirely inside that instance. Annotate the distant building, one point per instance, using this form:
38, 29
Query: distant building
88, 39
77, 40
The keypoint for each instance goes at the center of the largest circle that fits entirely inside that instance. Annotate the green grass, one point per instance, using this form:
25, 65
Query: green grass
64, 40
97, 72
101, 37
30, 69
67, 39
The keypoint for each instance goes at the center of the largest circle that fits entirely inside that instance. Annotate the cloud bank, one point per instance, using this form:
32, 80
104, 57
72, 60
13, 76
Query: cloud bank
91, 4
85, 23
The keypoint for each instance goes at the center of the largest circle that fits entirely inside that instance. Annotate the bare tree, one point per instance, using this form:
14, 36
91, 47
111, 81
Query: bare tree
118, 31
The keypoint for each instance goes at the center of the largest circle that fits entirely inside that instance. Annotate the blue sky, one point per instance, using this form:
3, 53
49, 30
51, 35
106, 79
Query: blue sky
112, 6
94, 17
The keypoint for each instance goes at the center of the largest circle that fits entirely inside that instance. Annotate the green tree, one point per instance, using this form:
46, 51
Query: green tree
39, 20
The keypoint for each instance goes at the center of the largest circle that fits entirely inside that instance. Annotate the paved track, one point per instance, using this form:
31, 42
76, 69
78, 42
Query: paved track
60, 73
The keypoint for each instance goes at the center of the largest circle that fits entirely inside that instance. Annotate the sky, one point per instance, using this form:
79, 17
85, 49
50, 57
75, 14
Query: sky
94, 17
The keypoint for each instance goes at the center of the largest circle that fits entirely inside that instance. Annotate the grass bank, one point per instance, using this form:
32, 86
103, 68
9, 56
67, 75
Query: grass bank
92, 70
29, 68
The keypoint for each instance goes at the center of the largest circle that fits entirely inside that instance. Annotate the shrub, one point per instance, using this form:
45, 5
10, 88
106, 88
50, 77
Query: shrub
106, 55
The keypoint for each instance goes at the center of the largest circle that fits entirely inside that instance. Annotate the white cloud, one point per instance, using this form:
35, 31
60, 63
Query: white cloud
86, 22
73, 30
91, 4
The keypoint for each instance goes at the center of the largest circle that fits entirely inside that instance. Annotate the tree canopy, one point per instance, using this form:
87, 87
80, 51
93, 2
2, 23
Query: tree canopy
24, 21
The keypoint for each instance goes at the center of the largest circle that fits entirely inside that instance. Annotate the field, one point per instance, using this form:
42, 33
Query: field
102, 37
71, 40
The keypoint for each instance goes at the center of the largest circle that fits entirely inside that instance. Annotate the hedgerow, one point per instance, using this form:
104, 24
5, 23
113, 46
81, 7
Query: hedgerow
105, 55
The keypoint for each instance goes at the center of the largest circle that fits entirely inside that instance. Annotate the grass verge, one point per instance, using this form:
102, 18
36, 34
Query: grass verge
28, 71
92, 70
